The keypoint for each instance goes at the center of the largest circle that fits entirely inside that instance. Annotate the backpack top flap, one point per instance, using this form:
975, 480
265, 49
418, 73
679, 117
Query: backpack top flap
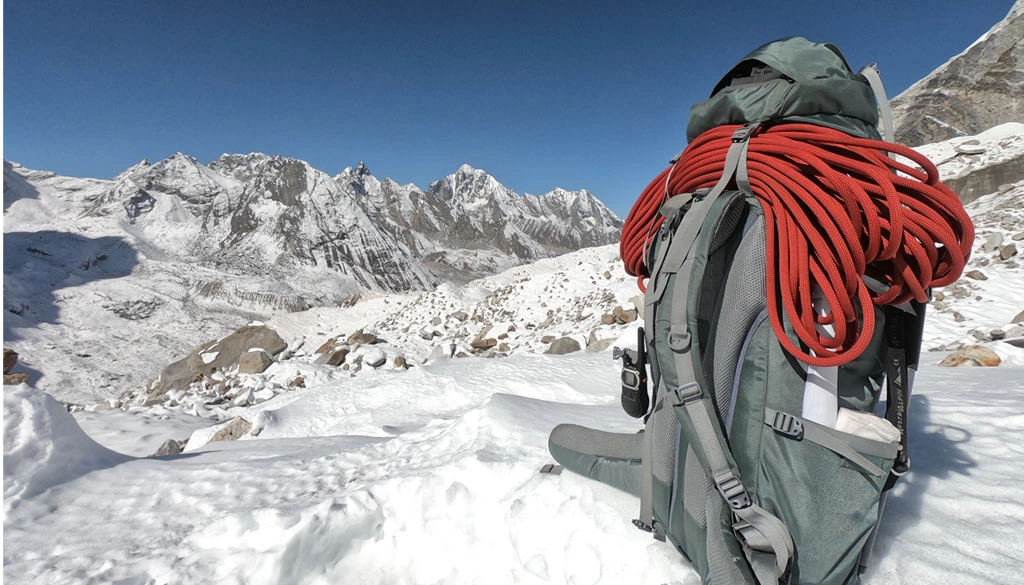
794, 80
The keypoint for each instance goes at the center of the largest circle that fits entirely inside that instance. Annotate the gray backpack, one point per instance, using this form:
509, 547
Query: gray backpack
727, 468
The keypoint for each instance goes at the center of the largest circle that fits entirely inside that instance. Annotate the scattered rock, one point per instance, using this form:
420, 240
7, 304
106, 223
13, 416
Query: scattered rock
170, 447
327, 345
254, 361
596, 345
938, 295
958, 317
10, 358
607, 319
546, 322
1008, 251
976, 275
503, 347
997, 334
400, 362
435, 321
246, 398
972, 355
297, 382
13, 379
607, 275
362, 337
563, 346
236, 429
547, 339
374, 357
214, 355
334, 358
511, 328
625, 315
460, 315
428, 333
1019, 318
462, 354
1017, 236
969, 148
483, 344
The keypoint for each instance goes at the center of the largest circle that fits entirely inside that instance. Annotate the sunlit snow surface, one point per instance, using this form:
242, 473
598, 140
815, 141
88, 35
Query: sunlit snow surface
430, 476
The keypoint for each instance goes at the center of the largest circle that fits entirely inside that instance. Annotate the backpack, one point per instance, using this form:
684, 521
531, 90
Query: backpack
761, 459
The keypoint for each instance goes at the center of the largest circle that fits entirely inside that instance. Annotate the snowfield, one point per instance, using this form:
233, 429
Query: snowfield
431, 476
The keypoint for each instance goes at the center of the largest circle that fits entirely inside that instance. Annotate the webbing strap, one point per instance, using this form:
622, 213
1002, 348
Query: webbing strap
798, 428
766, 541
646, 520
875, 81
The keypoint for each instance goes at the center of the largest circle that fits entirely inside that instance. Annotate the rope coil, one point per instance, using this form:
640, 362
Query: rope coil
837, 208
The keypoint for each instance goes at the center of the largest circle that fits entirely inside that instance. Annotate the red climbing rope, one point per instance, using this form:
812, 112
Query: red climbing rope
837, 208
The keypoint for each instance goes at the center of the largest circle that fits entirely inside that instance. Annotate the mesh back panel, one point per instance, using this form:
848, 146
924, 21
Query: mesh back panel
696, 489
743, 298
665, 438
600, 443
723, 566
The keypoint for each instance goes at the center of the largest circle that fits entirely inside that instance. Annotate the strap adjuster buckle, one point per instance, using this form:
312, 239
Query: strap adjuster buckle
743, 134
788, 425
732, 490
687, 393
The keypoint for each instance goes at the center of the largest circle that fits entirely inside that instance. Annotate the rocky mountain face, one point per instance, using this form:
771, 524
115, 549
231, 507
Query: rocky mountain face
980, 88
279, 218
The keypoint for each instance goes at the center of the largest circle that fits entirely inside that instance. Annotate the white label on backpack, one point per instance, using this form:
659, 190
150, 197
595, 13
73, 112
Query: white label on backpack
821, 391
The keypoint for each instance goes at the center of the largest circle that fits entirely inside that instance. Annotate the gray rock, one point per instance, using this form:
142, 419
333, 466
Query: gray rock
976, 275
997, 334
297, 382
374, 357
1019, 318
224, 353
1008, 251
170, 447
234, 430
10, 358
607, 319
563, 346
547, 339
484, 344
460, 315
1018, 236
546, 323
254, 362
400, 362
435, 321
362, 337
334, 358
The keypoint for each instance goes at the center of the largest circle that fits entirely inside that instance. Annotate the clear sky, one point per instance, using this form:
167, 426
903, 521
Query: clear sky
581, 95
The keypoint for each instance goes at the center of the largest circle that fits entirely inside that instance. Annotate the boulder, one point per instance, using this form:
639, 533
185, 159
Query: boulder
170, 447
236, 429
1008, 251
976, 275
362, 337
483, 344
607, 319
1019, 318
972, 355
400, 362
10, 358
460, 315
297, 382
503, 347
563, 346
997, 334
254, 361
596, 344
435, 321
625, 315
328, 345
374, 357
221, 354
333, 358
15, 379
547, 339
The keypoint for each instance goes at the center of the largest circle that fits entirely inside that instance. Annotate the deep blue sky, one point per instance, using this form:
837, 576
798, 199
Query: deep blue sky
590, 95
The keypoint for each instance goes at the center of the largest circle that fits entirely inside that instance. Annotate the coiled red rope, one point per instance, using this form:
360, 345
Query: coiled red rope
836, 208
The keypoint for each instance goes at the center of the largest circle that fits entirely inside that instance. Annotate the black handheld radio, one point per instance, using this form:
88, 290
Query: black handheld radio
635, 400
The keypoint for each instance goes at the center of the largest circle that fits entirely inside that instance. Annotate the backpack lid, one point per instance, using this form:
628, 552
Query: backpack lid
794, 80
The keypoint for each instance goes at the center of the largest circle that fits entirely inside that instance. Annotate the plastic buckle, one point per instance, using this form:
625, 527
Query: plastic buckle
788, 425
732, 490
643, 525
687, 393
743, 134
